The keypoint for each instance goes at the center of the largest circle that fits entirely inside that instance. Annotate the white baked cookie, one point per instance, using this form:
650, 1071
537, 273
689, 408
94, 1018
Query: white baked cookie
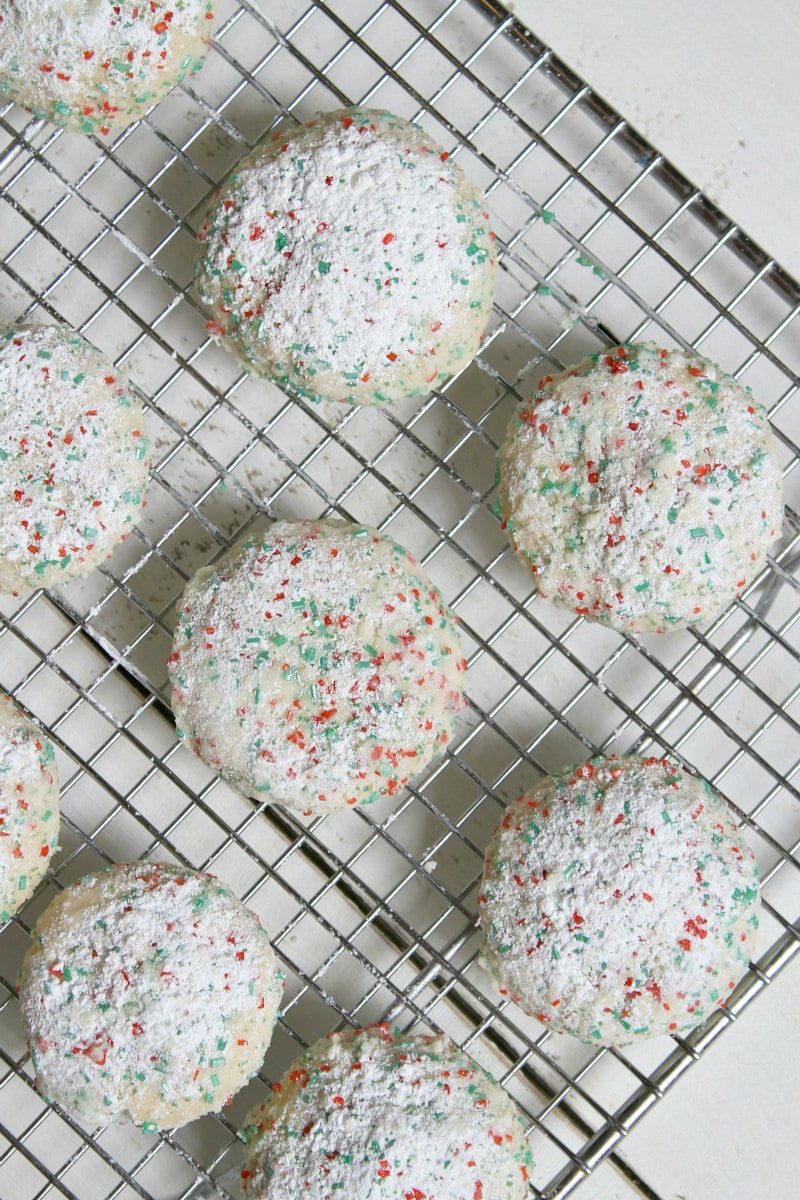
149, 995
619, 901
370, 1116
349, 260
642, 487
96, 65
29, 809
316, 665
73, 457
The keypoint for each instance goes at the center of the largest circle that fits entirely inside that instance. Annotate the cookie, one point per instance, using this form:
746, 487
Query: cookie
149, 995
316, 665
29, 807
96, 65
73, 457
349, 260
619, 901
369, 1115
642, 487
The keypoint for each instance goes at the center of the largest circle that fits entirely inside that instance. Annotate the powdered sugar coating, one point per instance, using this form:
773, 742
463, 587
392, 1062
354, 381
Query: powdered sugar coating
95, 65
149, 995
316, 665
29, 808
619, 901
374, 1117
643, 488
73, 457
349, 259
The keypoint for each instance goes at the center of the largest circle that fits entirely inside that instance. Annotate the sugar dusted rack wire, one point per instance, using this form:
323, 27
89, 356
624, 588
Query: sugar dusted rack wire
374, 912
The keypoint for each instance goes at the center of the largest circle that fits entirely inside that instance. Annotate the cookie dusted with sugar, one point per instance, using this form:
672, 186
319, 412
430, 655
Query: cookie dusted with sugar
642, 487
349, 260
73, 457
619, 901
149, 995
29, 808
375, 1117
96, 65
316, 665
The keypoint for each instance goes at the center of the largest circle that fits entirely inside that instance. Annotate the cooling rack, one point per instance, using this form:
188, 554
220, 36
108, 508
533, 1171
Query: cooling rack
373, 912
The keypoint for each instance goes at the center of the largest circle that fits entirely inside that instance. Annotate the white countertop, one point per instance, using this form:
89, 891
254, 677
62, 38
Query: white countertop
715, 88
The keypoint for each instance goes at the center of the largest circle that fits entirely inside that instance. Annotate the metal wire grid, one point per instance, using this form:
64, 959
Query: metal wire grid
373, 912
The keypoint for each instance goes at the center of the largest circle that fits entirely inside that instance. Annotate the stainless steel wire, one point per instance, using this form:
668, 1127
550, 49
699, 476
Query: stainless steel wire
373, 913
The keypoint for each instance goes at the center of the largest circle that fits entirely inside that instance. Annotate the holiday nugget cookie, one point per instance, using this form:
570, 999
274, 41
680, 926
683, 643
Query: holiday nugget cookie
619, 901
373, 1116
73, 457
349, 259
316, 665
29, 807
642, 487
95, 65
149, 995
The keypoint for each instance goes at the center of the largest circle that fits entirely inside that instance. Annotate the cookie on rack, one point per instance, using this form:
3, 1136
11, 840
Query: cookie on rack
366, 1114
73, 457
349, 260
149, 995
642, 487
619, 901
96, 65
29, 807
316, 665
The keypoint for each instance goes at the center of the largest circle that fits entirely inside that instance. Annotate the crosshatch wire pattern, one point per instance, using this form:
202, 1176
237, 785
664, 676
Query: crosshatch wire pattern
373, 912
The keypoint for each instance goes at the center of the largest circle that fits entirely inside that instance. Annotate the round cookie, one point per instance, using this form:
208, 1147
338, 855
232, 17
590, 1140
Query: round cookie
149, 995
29, 809
370, 1116
96, 65
619, 901
73, 457
316, 665
642, 487
349, 259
